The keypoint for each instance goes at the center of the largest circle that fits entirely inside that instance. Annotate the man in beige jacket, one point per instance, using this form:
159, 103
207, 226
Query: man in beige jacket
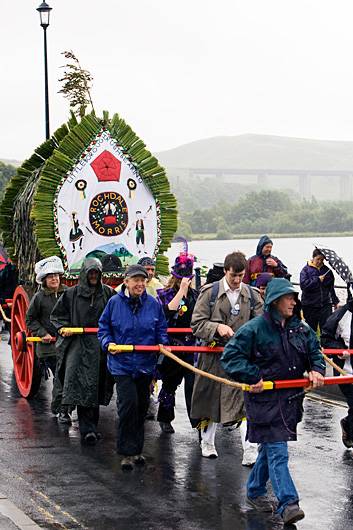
220, 310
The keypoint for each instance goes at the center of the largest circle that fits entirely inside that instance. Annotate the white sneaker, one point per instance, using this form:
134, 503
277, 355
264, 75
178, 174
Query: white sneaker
208, 450
249, 456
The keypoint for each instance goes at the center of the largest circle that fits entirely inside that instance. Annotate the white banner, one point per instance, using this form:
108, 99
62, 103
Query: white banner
103, 208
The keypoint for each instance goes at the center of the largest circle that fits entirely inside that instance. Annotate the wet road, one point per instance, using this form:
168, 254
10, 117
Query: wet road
46, 472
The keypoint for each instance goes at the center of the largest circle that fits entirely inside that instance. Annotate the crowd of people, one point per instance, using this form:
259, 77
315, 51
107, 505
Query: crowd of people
247, 306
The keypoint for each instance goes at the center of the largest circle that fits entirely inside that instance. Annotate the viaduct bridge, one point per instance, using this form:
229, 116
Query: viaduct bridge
344, 177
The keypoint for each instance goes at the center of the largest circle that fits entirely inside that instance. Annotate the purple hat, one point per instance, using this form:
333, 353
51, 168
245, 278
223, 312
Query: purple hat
184, 263
183, 266
263, 279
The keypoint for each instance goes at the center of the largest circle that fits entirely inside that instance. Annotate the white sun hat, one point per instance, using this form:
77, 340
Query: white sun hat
51, 265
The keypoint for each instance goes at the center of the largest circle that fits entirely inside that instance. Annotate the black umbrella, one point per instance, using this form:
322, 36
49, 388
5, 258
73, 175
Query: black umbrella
337, 264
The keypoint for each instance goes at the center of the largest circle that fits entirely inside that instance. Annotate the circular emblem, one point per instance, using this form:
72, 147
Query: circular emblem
108, 214
131, 184
81, 185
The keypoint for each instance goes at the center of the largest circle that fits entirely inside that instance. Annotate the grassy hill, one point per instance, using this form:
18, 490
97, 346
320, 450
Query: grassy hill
252, 151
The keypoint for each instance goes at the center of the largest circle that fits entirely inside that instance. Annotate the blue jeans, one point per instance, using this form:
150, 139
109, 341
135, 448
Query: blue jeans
272, 463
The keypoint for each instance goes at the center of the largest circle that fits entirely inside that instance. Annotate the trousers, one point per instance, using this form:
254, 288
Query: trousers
172, 376
272, 464
316, 316
88, 418
133, 396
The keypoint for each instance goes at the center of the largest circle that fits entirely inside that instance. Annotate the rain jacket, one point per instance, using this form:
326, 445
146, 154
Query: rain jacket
128, 320
81, 366
38, 318
220, 403
314, 292
257, 264
262, 348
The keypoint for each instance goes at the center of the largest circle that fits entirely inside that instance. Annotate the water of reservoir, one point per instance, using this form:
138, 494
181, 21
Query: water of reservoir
293, 252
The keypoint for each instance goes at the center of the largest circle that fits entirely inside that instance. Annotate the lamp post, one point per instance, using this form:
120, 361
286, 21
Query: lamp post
44, 13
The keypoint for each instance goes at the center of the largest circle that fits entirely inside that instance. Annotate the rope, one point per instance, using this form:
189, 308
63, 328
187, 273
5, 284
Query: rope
4, 317
171, 355
334, 365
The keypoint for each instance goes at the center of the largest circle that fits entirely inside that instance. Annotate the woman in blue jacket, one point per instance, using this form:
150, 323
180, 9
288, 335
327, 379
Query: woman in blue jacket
318, 293
132, 317
276, 345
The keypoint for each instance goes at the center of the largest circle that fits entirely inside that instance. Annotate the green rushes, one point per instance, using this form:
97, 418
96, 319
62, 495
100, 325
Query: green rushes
28, 229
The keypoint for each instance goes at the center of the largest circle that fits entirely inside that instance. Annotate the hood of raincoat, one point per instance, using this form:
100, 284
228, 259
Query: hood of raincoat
264, 240
277, 288
89, 264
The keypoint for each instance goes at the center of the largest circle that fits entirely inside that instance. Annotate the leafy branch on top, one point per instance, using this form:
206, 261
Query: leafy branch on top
77, 84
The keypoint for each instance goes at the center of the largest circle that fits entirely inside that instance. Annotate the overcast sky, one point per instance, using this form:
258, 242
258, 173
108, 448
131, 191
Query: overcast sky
183, 70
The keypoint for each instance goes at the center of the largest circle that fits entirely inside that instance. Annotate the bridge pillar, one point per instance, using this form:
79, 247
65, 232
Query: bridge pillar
305, 186
262, 180
345, 188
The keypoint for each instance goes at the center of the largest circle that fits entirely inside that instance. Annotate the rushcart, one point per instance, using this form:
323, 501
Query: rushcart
91, 190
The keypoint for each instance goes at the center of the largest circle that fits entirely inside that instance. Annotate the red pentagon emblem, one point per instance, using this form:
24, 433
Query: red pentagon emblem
107, 167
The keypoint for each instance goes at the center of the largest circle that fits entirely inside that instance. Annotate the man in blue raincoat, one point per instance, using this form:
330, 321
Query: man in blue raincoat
276, 345
132, 317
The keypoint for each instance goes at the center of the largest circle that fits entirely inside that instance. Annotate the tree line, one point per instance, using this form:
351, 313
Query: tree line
268, 211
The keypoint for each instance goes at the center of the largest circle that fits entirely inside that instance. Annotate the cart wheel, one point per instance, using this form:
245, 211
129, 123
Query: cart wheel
25, 363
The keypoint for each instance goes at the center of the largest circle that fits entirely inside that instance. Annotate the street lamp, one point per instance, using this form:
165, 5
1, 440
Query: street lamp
44, 13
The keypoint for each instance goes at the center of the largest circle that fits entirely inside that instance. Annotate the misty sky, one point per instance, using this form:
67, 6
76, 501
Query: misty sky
178, 71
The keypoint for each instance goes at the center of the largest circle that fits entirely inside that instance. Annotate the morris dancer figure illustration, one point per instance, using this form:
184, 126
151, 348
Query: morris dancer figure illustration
140, 232
76, 233
140, 229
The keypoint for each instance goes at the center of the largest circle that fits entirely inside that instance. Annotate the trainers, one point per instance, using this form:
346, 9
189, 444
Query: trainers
208, 450
139, 460
64, 417
90, 438
127, 463
347, 442
166, 427
249, 456
261, 503
292, 513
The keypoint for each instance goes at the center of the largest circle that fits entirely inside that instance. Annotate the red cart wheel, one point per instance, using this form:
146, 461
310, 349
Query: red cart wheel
25, 362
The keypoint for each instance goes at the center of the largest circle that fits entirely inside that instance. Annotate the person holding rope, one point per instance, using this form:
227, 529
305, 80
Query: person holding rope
81, 367
337, 332
178, 301
221, 309
152, 286
132, 317
48, 275
276, 345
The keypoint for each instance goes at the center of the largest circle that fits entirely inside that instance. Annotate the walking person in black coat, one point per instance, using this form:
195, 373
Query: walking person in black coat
82, 365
